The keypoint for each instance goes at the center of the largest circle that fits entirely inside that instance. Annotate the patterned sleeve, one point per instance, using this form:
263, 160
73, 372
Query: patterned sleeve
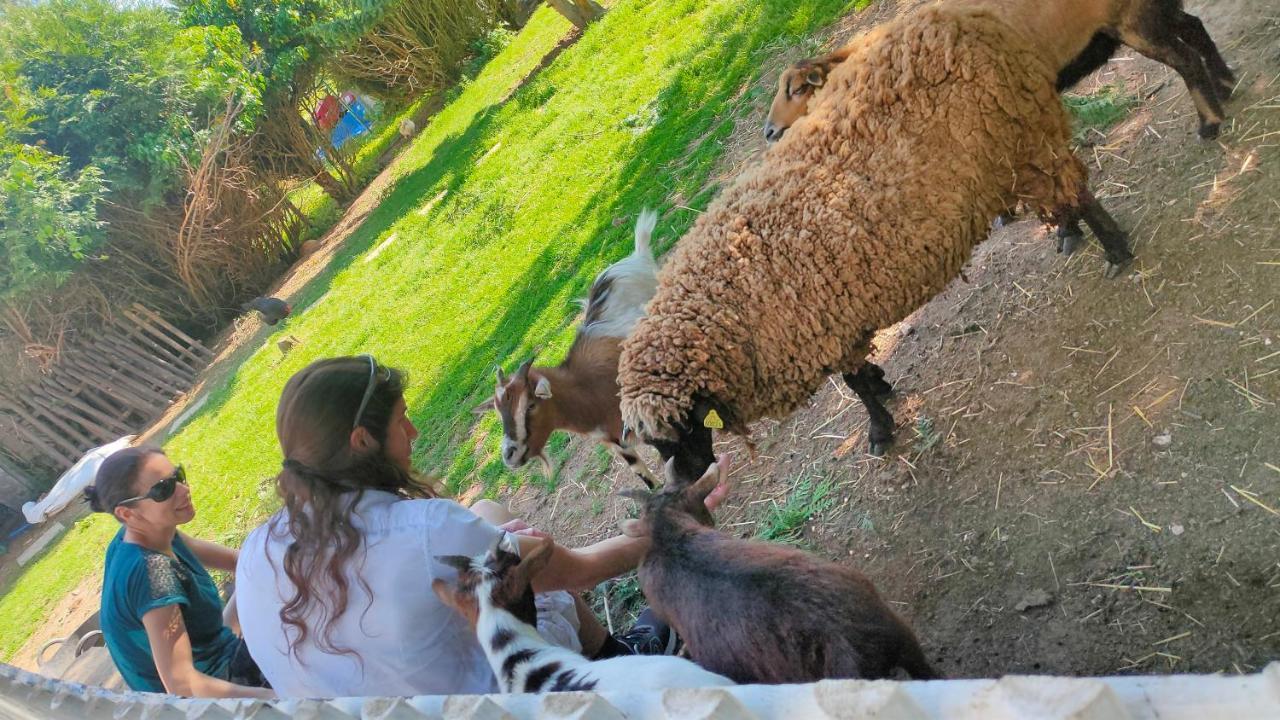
154, 583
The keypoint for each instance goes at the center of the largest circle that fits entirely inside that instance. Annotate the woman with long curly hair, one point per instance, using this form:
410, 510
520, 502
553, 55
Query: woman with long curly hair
334, 590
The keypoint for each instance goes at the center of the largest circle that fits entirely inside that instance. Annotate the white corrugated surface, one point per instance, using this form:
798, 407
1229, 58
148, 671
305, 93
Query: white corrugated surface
24, 696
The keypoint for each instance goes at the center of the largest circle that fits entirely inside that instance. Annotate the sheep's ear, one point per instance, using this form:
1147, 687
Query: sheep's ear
816, 77
543, 388
632, 528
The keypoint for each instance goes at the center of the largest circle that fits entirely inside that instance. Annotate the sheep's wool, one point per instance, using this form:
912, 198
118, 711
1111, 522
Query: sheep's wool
865, 210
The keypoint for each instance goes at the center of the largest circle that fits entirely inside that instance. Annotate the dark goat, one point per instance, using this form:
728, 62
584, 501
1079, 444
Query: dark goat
760, 612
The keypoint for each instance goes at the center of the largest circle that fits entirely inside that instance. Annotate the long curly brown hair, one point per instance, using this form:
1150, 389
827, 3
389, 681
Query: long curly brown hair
323, 478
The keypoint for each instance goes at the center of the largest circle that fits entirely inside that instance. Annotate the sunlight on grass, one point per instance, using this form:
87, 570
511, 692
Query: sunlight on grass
503, 210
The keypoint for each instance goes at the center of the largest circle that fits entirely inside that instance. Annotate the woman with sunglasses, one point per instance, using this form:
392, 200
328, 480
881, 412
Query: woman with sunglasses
335, 590
161, 615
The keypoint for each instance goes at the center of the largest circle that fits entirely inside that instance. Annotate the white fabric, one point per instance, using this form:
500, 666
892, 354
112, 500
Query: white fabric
409, 643
72, 483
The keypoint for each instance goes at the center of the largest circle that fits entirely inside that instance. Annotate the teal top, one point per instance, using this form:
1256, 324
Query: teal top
137, 581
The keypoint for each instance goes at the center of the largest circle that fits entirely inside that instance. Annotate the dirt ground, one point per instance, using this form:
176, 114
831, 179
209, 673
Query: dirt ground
1103, 492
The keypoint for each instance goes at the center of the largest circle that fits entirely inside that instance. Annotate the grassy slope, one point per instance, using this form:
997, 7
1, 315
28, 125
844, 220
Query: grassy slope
631, 115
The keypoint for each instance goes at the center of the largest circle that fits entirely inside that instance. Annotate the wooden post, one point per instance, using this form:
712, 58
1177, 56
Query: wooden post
194, 347
108, 423
39, 432
135, 337
95, 433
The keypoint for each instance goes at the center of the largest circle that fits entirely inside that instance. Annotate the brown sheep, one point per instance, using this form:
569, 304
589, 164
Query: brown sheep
759, 612
1159, 29
942, 119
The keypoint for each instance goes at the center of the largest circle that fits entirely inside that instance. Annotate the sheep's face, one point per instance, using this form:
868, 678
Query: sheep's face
501, 576
796, 87
523, 401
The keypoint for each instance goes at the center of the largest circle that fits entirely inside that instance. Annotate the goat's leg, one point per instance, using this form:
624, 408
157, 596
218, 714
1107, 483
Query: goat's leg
1070, 236
1114, 241
865, 384
1095, 55
633, 461
1157, 38
1192, 32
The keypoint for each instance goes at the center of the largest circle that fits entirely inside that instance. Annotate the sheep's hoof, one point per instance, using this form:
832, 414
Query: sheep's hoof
877, 447
1226, 88
1113, 269
1209, 131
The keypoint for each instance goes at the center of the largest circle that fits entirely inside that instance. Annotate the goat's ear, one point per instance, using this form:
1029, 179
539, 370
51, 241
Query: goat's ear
486, 406
534, 562
709, 481
632, 528
640, 496
543, 388
461, 563
817, 76
545, 462
445, 592
500, 376
522, 373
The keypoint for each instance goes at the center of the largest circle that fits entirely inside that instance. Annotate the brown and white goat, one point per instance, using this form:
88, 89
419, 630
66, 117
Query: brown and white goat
759, 612
494, 594
1158, 29
580, 395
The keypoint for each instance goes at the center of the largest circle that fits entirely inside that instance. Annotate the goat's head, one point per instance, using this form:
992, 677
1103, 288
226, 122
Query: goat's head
695, 500
500, 575
523, 401
796, 87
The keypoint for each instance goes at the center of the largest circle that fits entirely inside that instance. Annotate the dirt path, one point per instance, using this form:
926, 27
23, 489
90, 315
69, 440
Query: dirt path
1082, 465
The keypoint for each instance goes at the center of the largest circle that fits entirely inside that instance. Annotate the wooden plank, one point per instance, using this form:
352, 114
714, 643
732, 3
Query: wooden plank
76, 435
194, 345
139, 368
41, 436
134, 335
143, 403
177, 351
93, 431
108, 423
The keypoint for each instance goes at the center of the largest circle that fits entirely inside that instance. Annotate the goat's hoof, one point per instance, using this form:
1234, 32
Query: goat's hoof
1068, 244
1210, 131
1113, 269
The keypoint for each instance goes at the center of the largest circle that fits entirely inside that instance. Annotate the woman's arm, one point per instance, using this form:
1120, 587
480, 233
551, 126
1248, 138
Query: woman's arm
211, 554
584, 568
171, 652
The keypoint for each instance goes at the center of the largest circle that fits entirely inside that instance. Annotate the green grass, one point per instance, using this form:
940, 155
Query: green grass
782, 523
1097, 112
530, 179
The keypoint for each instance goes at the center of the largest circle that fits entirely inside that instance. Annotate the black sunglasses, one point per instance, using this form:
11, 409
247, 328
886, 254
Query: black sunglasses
162, 490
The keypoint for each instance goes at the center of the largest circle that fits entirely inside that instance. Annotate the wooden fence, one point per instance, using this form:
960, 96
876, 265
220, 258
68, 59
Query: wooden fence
113, 383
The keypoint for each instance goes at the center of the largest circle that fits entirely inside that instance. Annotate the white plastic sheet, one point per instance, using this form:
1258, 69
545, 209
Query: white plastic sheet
72, 483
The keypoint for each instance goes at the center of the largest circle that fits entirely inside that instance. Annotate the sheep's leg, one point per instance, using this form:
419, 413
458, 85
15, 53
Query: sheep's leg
1163, 45
633, 461
691, 449
865, 384
875, 376
1192, 32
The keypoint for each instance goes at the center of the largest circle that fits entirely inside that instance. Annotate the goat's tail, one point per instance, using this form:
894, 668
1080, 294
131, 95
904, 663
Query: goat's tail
645, 224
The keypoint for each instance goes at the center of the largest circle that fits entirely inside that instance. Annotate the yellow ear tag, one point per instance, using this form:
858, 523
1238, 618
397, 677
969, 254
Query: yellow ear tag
713, 421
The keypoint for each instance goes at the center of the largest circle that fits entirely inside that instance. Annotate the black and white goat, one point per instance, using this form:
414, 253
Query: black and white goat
580, 395
494, 595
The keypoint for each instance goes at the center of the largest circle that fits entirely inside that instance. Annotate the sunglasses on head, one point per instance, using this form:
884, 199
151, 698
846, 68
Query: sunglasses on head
162, 490
369, 388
